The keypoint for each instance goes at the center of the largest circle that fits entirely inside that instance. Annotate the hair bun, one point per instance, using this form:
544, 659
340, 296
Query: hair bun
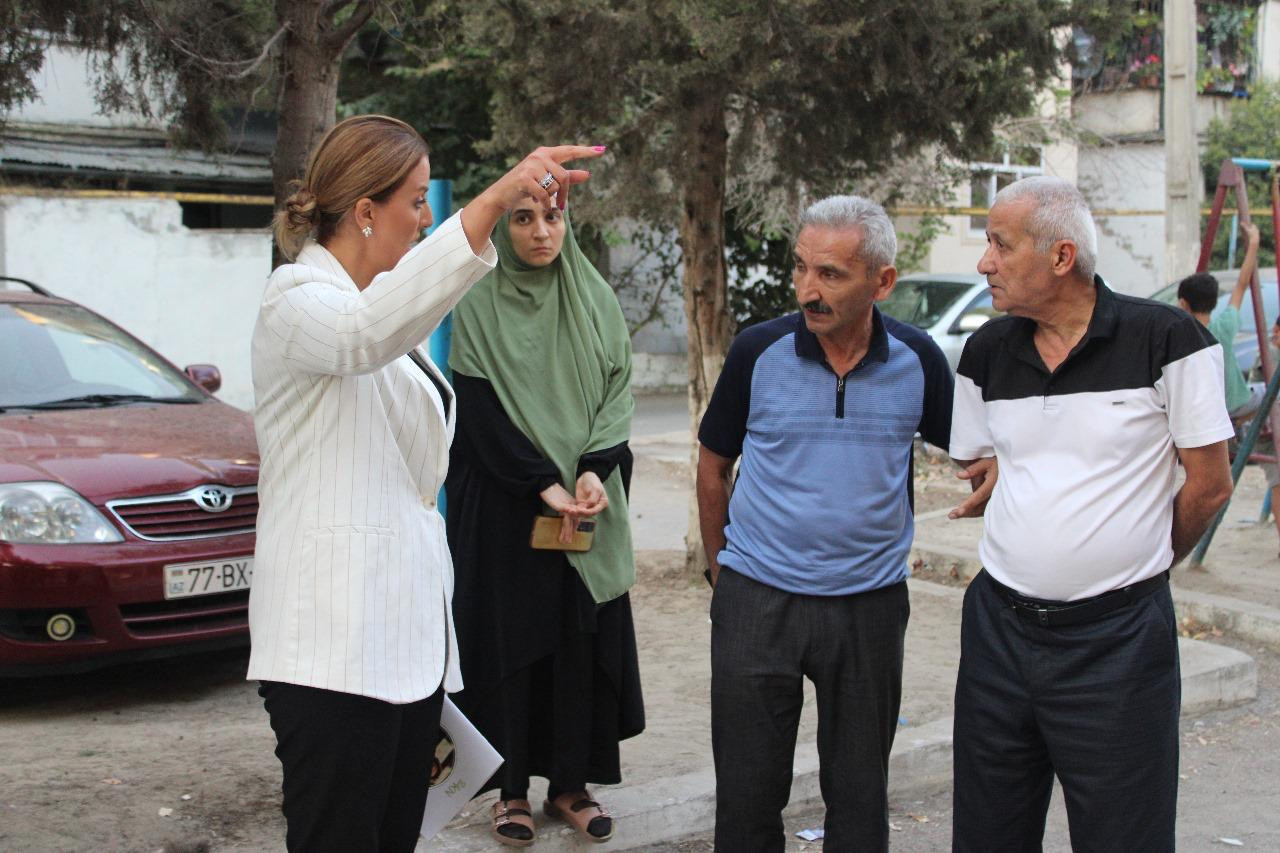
302, 209
296, 221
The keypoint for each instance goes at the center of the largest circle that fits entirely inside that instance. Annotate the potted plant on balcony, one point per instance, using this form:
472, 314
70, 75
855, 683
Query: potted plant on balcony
1214, 79
1145, 71
1226, 79
1225, 46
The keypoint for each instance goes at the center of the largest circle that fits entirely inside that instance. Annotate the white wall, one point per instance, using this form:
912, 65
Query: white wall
65, 95
659, 362
1268, 45
958, 248
1130, 248
192, 295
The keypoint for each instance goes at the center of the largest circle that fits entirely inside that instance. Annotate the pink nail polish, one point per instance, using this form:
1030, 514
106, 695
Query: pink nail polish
599, 147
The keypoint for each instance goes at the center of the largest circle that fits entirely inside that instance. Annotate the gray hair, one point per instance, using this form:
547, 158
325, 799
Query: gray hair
1059, 212
879, 243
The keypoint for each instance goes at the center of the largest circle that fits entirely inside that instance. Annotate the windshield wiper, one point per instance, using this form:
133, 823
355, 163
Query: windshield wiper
102, 401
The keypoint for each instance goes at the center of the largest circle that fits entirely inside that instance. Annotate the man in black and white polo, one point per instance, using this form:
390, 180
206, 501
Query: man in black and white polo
1088, 400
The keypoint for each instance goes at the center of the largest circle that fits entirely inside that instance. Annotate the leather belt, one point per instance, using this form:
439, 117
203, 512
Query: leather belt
1053, 614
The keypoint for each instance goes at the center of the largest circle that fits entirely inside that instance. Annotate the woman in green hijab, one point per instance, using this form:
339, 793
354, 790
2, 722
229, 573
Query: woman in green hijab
541, 364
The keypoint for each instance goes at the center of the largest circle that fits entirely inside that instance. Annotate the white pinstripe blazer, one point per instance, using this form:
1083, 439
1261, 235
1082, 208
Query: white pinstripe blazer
352, 580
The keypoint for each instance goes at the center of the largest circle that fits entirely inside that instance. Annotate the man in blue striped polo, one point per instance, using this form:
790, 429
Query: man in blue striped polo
808, 547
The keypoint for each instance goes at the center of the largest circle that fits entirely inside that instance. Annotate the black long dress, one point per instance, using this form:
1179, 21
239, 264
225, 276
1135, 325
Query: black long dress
550, 678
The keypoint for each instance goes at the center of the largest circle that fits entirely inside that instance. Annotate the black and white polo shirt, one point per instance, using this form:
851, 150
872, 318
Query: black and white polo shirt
1084, 499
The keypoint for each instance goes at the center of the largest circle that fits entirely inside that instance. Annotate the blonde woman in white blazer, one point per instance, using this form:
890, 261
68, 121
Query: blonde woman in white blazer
352, 638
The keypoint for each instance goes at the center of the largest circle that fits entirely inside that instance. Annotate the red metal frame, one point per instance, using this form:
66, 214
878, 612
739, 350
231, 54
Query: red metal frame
1231, 176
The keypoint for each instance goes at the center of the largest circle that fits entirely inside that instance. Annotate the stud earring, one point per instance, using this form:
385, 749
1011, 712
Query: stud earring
367, 231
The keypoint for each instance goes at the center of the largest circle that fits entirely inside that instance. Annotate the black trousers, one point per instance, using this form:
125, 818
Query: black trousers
1096, 703
356, 770
764, 642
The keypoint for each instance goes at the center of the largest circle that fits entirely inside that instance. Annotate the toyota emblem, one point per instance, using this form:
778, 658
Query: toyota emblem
213, 498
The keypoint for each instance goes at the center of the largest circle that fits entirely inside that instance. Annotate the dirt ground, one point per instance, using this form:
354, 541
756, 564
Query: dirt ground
1226, 792
177, 755
90, 761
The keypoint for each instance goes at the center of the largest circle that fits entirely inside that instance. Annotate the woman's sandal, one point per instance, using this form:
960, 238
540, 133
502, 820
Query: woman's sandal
588, 818
513, 822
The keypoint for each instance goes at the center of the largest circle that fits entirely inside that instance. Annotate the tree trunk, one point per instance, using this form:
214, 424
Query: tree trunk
308, 63
706, 304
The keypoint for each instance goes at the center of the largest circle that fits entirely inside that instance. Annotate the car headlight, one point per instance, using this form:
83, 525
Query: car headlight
50, 514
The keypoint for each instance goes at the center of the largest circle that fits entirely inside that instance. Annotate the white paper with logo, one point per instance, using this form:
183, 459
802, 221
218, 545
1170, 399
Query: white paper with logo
463, 762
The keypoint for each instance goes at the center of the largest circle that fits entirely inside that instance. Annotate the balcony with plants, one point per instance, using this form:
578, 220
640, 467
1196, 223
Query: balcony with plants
1132, 55
1118, 79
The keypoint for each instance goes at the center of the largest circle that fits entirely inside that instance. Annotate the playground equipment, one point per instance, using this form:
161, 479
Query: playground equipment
1231, 177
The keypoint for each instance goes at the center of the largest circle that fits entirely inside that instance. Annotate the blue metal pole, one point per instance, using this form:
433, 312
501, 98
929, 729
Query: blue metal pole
1253, 164
440, 200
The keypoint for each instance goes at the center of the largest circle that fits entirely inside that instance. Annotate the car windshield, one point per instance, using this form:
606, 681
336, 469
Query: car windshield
922, 303
62, 356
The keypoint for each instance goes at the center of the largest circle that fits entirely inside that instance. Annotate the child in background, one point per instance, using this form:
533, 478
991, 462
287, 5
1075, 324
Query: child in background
1198, 296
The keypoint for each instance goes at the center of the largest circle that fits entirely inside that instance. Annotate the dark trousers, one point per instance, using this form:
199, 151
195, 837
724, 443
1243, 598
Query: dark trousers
1095, 703
356, 770
764, 642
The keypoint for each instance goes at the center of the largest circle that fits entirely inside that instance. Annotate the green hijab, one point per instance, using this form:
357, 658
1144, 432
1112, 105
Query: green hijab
553, 343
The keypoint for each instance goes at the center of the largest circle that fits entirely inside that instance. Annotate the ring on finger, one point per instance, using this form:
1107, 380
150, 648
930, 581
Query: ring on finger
547, 180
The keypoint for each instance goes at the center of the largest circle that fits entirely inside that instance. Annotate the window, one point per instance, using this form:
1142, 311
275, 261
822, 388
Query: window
981, 304
989, 177
922, 302
199, 214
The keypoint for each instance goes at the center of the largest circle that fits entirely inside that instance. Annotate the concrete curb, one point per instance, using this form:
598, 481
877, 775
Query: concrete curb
1215, 677
1256, 622
670, 809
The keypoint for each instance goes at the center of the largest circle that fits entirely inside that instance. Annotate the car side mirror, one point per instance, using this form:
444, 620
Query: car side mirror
204, 375
971, 322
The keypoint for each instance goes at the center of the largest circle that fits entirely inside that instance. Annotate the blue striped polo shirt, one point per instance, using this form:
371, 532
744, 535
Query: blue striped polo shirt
823, 500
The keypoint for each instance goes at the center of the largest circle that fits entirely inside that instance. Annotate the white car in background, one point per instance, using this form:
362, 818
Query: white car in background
949, 306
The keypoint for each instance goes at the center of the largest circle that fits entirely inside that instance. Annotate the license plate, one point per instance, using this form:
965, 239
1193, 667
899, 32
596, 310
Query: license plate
183, 580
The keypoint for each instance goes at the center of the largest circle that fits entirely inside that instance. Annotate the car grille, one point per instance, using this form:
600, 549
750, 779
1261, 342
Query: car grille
186, 615
165, 518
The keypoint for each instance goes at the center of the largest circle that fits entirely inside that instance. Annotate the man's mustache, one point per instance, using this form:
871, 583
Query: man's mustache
817, 306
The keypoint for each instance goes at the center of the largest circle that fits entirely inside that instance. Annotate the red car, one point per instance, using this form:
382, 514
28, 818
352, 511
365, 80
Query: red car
128, 495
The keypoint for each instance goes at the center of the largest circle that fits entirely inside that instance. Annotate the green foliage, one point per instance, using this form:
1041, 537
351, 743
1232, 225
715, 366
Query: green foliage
178, 61
1225, 45
759, 274
817, 97
413, 73
1227, 26
1252, 129
913, 246
816, 94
